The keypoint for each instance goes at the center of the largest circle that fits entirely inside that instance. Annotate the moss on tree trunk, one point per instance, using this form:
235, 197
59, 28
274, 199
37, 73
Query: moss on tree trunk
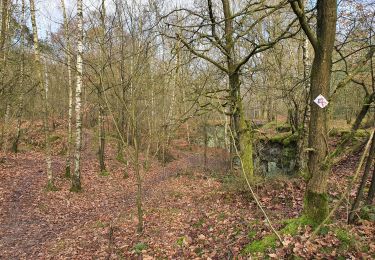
315, 207
246, 144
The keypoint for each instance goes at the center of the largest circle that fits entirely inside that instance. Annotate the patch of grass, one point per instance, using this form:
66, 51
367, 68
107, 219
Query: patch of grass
51, 187
346, 239
104, 173
199, 251
251, 234
100, 224
368, 213
260, 246
180, 241
221, 216
139, 247
53, 138
199, 223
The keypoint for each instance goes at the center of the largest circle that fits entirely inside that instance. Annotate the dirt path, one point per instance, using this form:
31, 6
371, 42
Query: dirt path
32, 221
188, 213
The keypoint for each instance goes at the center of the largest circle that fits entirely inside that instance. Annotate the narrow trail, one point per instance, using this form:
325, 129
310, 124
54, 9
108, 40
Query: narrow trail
31, 218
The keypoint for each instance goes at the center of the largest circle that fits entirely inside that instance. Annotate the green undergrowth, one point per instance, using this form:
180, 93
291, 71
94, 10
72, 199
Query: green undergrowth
139, 247
51, 187
104, 173
291, 227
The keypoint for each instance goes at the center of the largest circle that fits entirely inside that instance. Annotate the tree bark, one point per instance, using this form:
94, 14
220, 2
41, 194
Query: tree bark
76, 178
70, 87
361, 187
43, 86
316, 198
371, 192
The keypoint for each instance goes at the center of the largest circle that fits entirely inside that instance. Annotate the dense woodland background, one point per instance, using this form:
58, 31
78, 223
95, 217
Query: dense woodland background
163, 129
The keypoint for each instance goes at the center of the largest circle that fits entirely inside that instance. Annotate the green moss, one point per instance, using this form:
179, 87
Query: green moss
347, 240
180, 241
283, 128
138, 248
67, 172
51, 187
291, 139
246, 144
104, 173
368, 213
75, 189
53, 138
260, 246
292, 225
251, 234
315, 207
221, 216
100, 224
279, 138
199, 223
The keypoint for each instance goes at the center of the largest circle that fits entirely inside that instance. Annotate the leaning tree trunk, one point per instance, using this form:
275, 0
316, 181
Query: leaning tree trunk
44, 89
76, 178
361, 187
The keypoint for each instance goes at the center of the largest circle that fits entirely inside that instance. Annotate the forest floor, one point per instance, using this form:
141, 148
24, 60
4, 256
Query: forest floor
189, 212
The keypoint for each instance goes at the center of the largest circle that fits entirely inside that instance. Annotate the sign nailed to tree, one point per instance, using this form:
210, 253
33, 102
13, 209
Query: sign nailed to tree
321, 101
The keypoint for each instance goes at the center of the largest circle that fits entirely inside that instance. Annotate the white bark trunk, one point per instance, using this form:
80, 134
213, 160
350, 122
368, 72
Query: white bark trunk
76, 180
70, 87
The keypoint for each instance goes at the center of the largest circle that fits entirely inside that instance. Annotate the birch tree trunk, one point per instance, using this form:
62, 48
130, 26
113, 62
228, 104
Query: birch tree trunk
43, 87
76, 178
70, 87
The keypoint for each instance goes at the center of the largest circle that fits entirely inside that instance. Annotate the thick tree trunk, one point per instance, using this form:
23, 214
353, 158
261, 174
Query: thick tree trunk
76, 178
241, 129
316, 199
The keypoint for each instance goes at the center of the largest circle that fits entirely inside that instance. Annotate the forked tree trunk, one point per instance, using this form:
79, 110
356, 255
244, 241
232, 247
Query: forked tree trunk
76, 178
43, 87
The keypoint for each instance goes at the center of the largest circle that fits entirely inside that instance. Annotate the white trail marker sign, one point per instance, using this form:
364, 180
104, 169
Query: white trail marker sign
321, 101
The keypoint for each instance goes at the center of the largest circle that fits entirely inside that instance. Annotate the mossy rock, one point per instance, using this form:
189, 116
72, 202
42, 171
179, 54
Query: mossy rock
283, 128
